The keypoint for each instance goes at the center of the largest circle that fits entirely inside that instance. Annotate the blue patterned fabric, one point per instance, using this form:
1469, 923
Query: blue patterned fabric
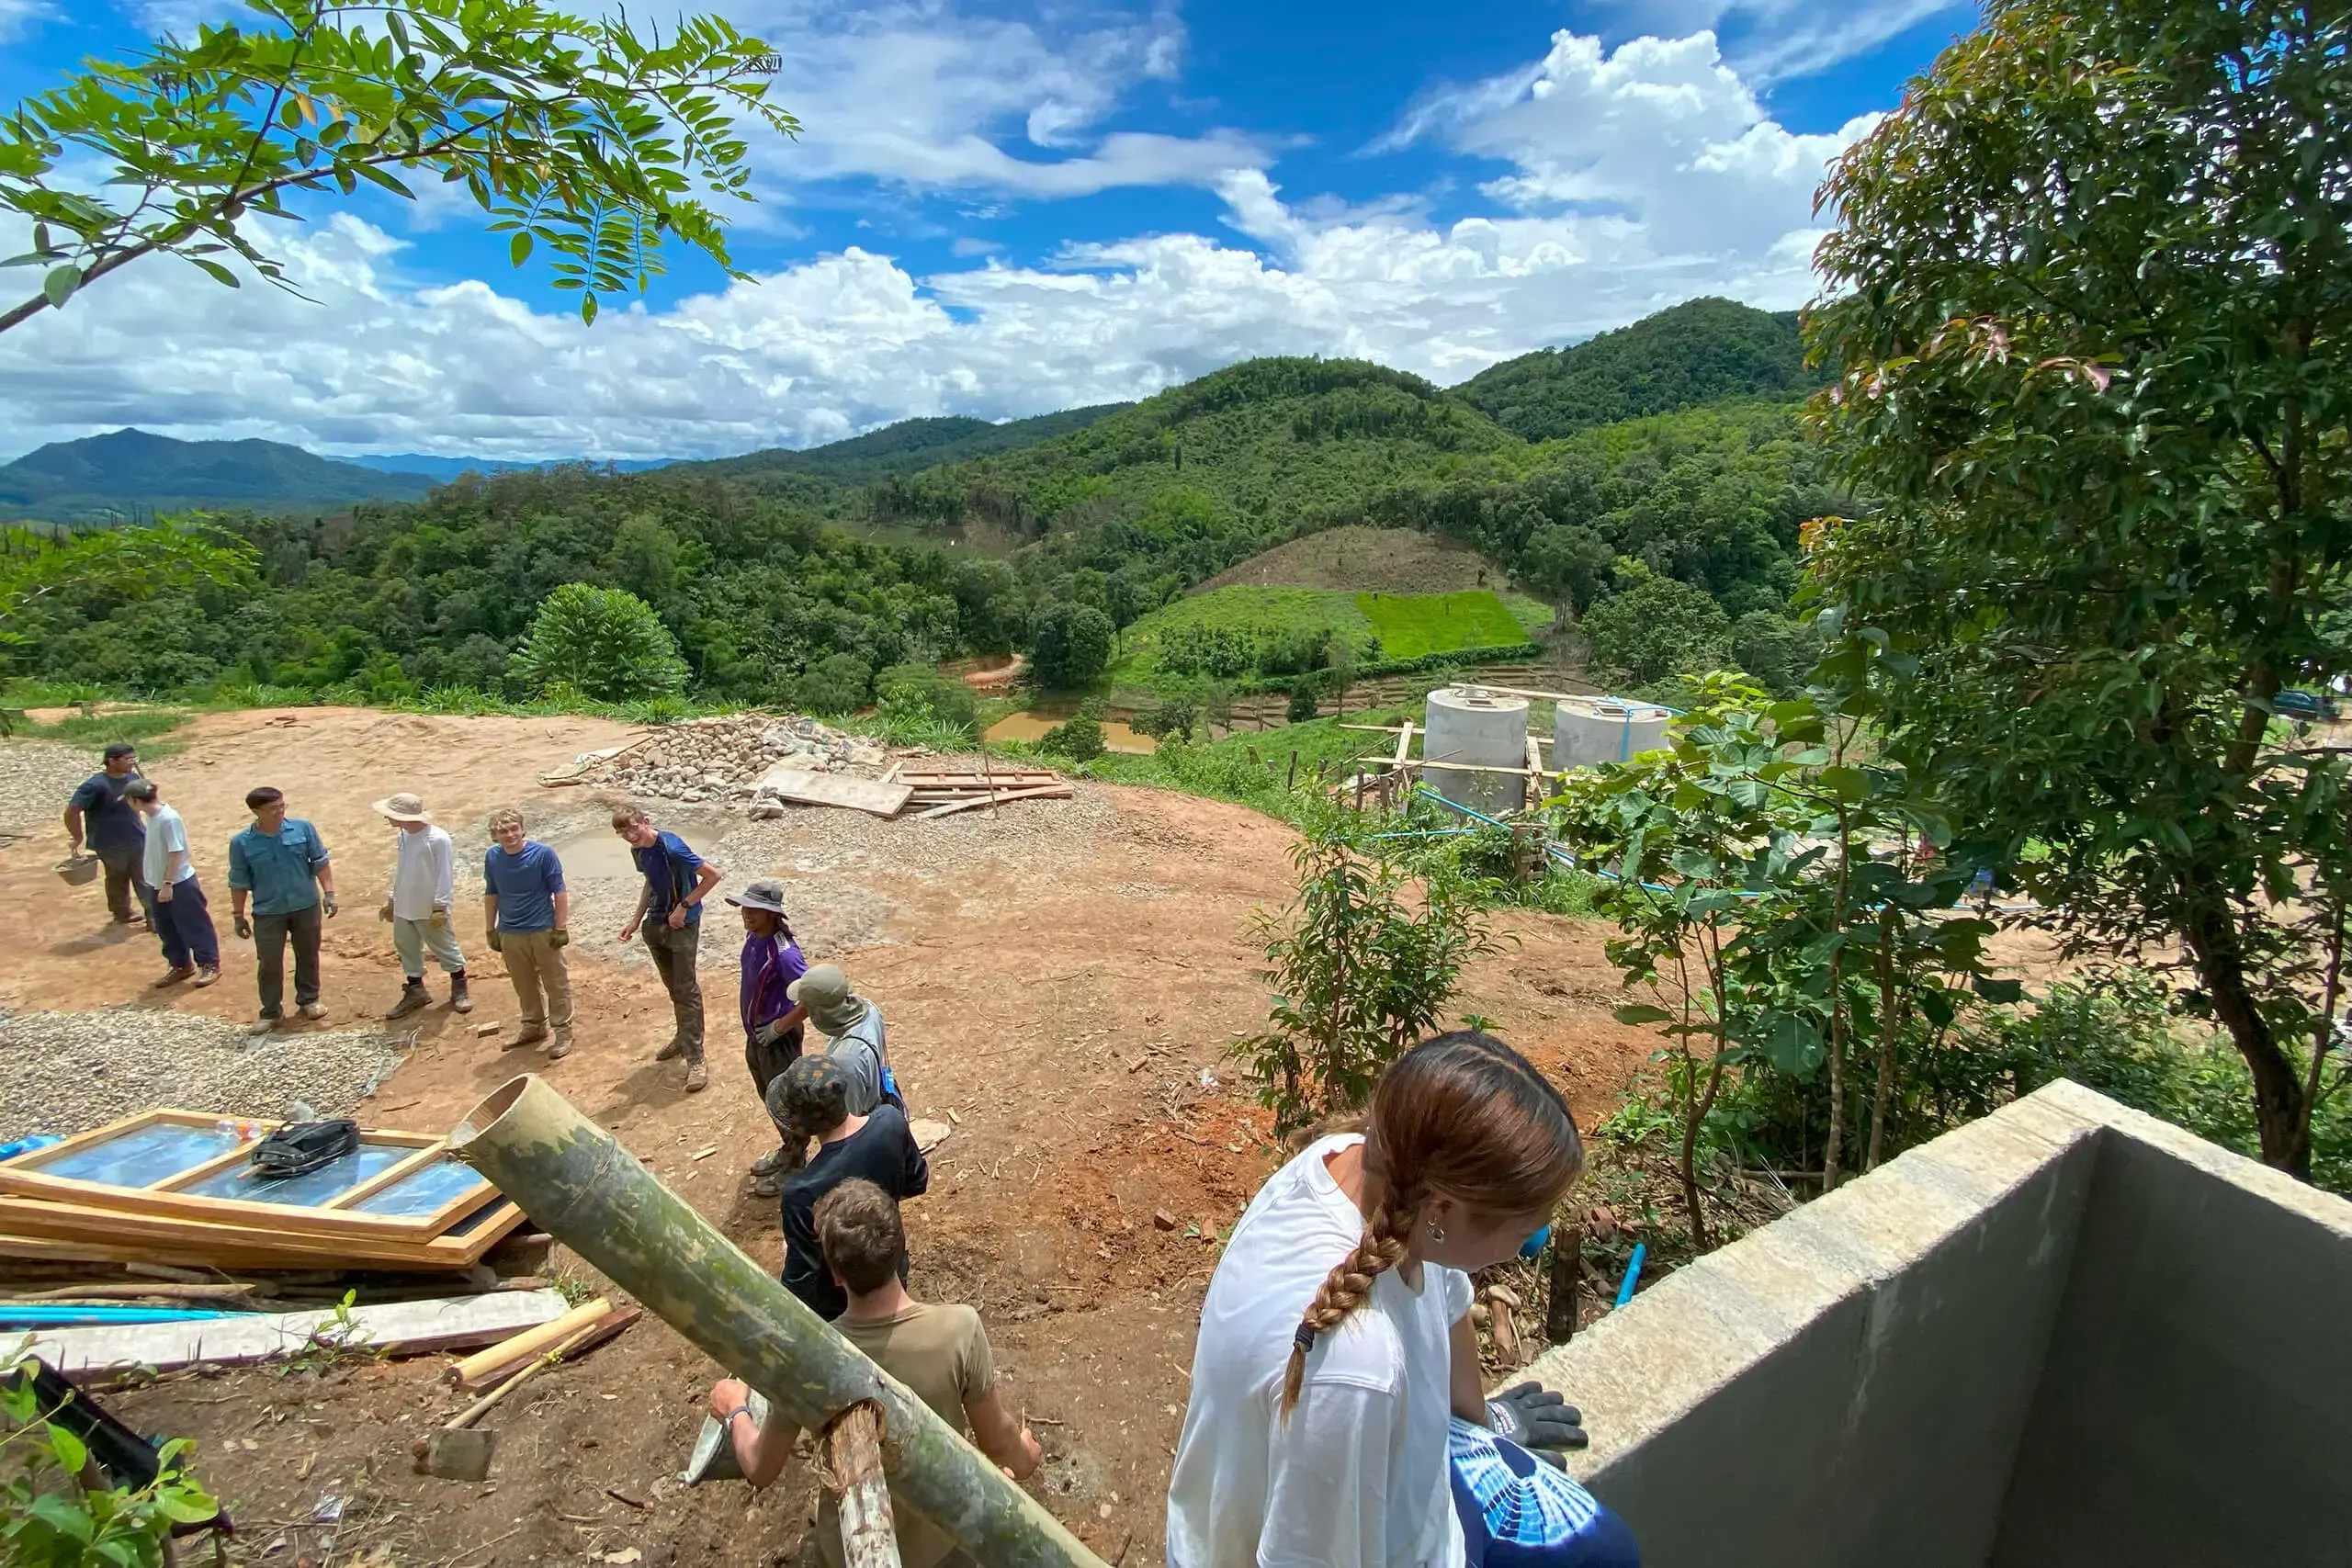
1519, 1512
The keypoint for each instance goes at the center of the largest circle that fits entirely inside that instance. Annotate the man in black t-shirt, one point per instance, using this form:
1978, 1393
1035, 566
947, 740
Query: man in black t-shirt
810, 1100
116, 832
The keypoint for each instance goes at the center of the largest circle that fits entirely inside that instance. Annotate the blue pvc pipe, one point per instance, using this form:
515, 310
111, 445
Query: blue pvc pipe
1534, 1247
46, 1316
1633, 1272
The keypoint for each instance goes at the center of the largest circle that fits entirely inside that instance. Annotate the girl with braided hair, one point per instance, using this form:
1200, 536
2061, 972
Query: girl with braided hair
1338, 1418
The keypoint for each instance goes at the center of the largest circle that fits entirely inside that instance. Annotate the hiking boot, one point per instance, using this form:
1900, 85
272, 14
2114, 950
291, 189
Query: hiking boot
561, 1046
173, 977
461, 999
770, 1185
697, 1077
770, 1163
209, 975
313, 1009
263, 1024
413, 999
529, 1034
672, 1051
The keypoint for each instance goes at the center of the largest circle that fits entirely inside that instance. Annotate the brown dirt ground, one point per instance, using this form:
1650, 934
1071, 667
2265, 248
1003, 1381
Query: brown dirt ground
1068, 1002
1367, 560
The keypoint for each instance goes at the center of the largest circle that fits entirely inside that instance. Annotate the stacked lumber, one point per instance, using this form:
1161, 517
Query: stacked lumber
393, 1328
177, 1188
942, 792
580, 1329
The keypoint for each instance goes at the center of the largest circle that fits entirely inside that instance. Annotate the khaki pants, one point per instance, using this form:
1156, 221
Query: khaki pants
535, 964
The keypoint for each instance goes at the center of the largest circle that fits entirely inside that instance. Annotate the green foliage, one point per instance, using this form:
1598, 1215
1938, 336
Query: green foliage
1413, 625
1778, 651
1071, 644
2098, 373
586, 138
1699, 352
1567, 564
1079, 737
1656, 629
906, 448
915, 697
40, 569
837, 685
1358, 973
49, 1519
1754, 914
605, 643
1174, 716
1257, 637
1303, 700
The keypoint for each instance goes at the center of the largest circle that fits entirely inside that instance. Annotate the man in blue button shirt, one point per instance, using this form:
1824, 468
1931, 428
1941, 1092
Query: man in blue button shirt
670, 910
280, 864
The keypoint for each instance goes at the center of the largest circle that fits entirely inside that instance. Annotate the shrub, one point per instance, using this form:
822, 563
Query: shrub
1657, 628
1079, 737
837, 685
1303, 700
605, 643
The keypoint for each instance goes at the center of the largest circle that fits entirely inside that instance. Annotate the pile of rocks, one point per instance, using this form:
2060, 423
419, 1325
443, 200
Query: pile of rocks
722, 757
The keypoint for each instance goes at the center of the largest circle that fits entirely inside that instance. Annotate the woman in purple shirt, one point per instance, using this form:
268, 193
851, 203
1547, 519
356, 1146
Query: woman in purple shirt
772, 1020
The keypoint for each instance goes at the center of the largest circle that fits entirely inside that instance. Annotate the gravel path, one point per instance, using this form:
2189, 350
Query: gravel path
67, 1072
36, 777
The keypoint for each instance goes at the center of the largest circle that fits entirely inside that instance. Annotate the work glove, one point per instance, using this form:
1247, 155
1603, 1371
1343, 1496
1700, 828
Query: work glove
491, 936
439, 918
1537, 1420
326, 902
767, 1033
245, 928
385, 911
558, 938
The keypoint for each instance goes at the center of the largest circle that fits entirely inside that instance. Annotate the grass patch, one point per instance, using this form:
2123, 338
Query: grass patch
1414, 625
150, 730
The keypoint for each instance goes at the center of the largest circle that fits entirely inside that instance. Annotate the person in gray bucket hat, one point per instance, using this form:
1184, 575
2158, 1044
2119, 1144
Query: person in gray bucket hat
853, 1025
773, 1021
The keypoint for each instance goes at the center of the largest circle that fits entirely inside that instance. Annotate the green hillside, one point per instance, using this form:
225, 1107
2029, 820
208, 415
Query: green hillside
1258, 637
132, 473
901, 448
1701, 352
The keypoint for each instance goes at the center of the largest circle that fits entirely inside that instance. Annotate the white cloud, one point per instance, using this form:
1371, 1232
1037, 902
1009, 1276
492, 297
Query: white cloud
1776, 41
19, 15
1629, 181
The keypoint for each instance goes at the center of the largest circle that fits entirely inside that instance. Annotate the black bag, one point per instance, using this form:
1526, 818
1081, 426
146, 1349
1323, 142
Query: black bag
301, 1146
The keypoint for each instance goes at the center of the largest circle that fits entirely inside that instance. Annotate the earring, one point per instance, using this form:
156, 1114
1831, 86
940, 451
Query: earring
1437, 1232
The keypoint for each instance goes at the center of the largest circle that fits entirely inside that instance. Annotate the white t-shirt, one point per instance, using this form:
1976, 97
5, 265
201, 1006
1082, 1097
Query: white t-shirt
1357, 1477
166, 836
424, 874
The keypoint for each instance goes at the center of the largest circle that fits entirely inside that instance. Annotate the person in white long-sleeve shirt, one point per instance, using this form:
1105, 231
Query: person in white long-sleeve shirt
1337, 1415
424, 892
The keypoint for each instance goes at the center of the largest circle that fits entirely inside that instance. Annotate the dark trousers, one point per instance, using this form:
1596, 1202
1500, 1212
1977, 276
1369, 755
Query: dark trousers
122, 880
673, 955
270, 933
767, 1063
184, 922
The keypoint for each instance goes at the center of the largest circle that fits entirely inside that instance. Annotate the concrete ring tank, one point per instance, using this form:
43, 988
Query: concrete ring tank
1480, 729
1587, 731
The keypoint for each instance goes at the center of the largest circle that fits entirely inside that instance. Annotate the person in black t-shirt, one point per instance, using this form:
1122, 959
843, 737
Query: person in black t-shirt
810, 1100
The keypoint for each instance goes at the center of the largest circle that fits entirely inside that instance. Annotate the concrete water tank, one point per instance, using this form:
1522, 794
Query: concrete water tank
1589, 731
1465, 725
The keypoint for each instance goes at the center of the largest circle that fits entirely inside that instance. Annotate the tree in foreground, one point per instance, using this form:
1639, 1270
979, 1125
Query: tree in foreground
167, 557
1071, 644
594, 139
2090, 305
605, 644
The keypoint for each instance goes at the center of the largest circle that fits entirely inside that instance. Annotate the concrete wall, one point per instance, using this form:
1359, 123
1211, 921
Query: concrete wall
2196, 1403
1862, 1382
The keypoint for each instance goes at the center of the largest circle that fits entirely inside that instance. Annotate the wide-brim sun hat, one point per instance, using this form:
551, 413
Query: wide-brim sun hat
768, 895
403, 809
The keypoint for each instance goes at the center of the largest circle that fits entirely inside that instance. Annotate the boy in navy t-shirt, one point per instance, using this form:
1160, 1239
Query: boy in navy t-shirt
669, 913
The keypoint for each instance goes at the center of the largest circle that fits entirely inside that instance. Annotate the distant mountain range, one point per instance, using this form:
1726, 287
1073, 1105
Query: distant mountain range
1695, 354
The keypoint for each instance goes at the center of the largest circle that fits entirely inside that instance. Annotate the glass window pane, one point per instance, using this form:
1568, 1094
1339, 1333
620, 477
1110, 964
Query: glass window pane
308, 1191
139, 1158
421, 1193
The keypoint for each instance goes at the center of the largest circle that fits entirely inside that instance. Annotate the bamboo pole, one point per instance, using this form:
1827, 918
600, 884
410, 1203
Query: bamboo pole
580, 1186
854, 1452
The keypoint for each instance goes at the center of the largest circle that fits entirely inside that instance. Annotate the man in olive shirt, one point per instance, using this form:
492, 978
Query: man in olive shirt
940, 1352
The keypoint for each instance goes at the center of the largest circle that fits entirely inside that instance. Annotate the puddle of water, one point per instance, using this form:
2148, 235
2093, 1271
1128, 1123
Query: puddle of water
599, 852
1032, 724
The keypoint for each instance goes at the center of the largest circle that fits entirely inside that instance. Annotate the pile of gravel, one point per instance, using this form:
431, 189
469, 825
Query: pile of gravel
67, 1072
721, 758
36, 779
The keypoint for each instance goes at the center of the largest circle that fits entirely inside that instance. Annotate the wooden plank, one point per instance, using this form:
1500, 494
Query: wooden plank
46, 1220
408, 1328
1404, 746
800, 785
1058, 792
1463, 767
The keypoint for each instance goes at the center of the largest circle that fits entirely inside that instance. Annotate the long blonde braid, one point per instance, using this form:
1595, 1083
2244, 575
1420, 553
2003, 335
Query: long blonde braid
1349, 1284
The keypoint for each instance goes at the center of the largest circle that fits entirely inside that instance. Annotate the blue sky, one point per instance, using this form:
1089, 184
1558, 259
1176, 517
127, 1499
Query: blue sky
1003, 207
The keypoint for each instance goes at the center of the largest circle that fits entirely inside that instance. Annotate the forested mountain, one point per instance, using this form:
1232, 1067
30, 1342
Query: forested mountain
1699, 352
772, 599
132, 471
441, 470
903, 448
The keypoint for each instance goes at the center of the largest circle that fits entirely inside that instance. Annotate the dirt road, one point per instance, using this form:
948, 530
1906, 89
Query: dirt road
1061, 980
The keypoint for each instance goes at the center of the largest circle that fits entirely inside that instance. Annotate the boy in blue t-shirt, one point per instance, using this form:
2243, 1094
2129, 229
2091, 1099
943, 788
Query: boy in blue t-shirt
669, 913
525, 917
